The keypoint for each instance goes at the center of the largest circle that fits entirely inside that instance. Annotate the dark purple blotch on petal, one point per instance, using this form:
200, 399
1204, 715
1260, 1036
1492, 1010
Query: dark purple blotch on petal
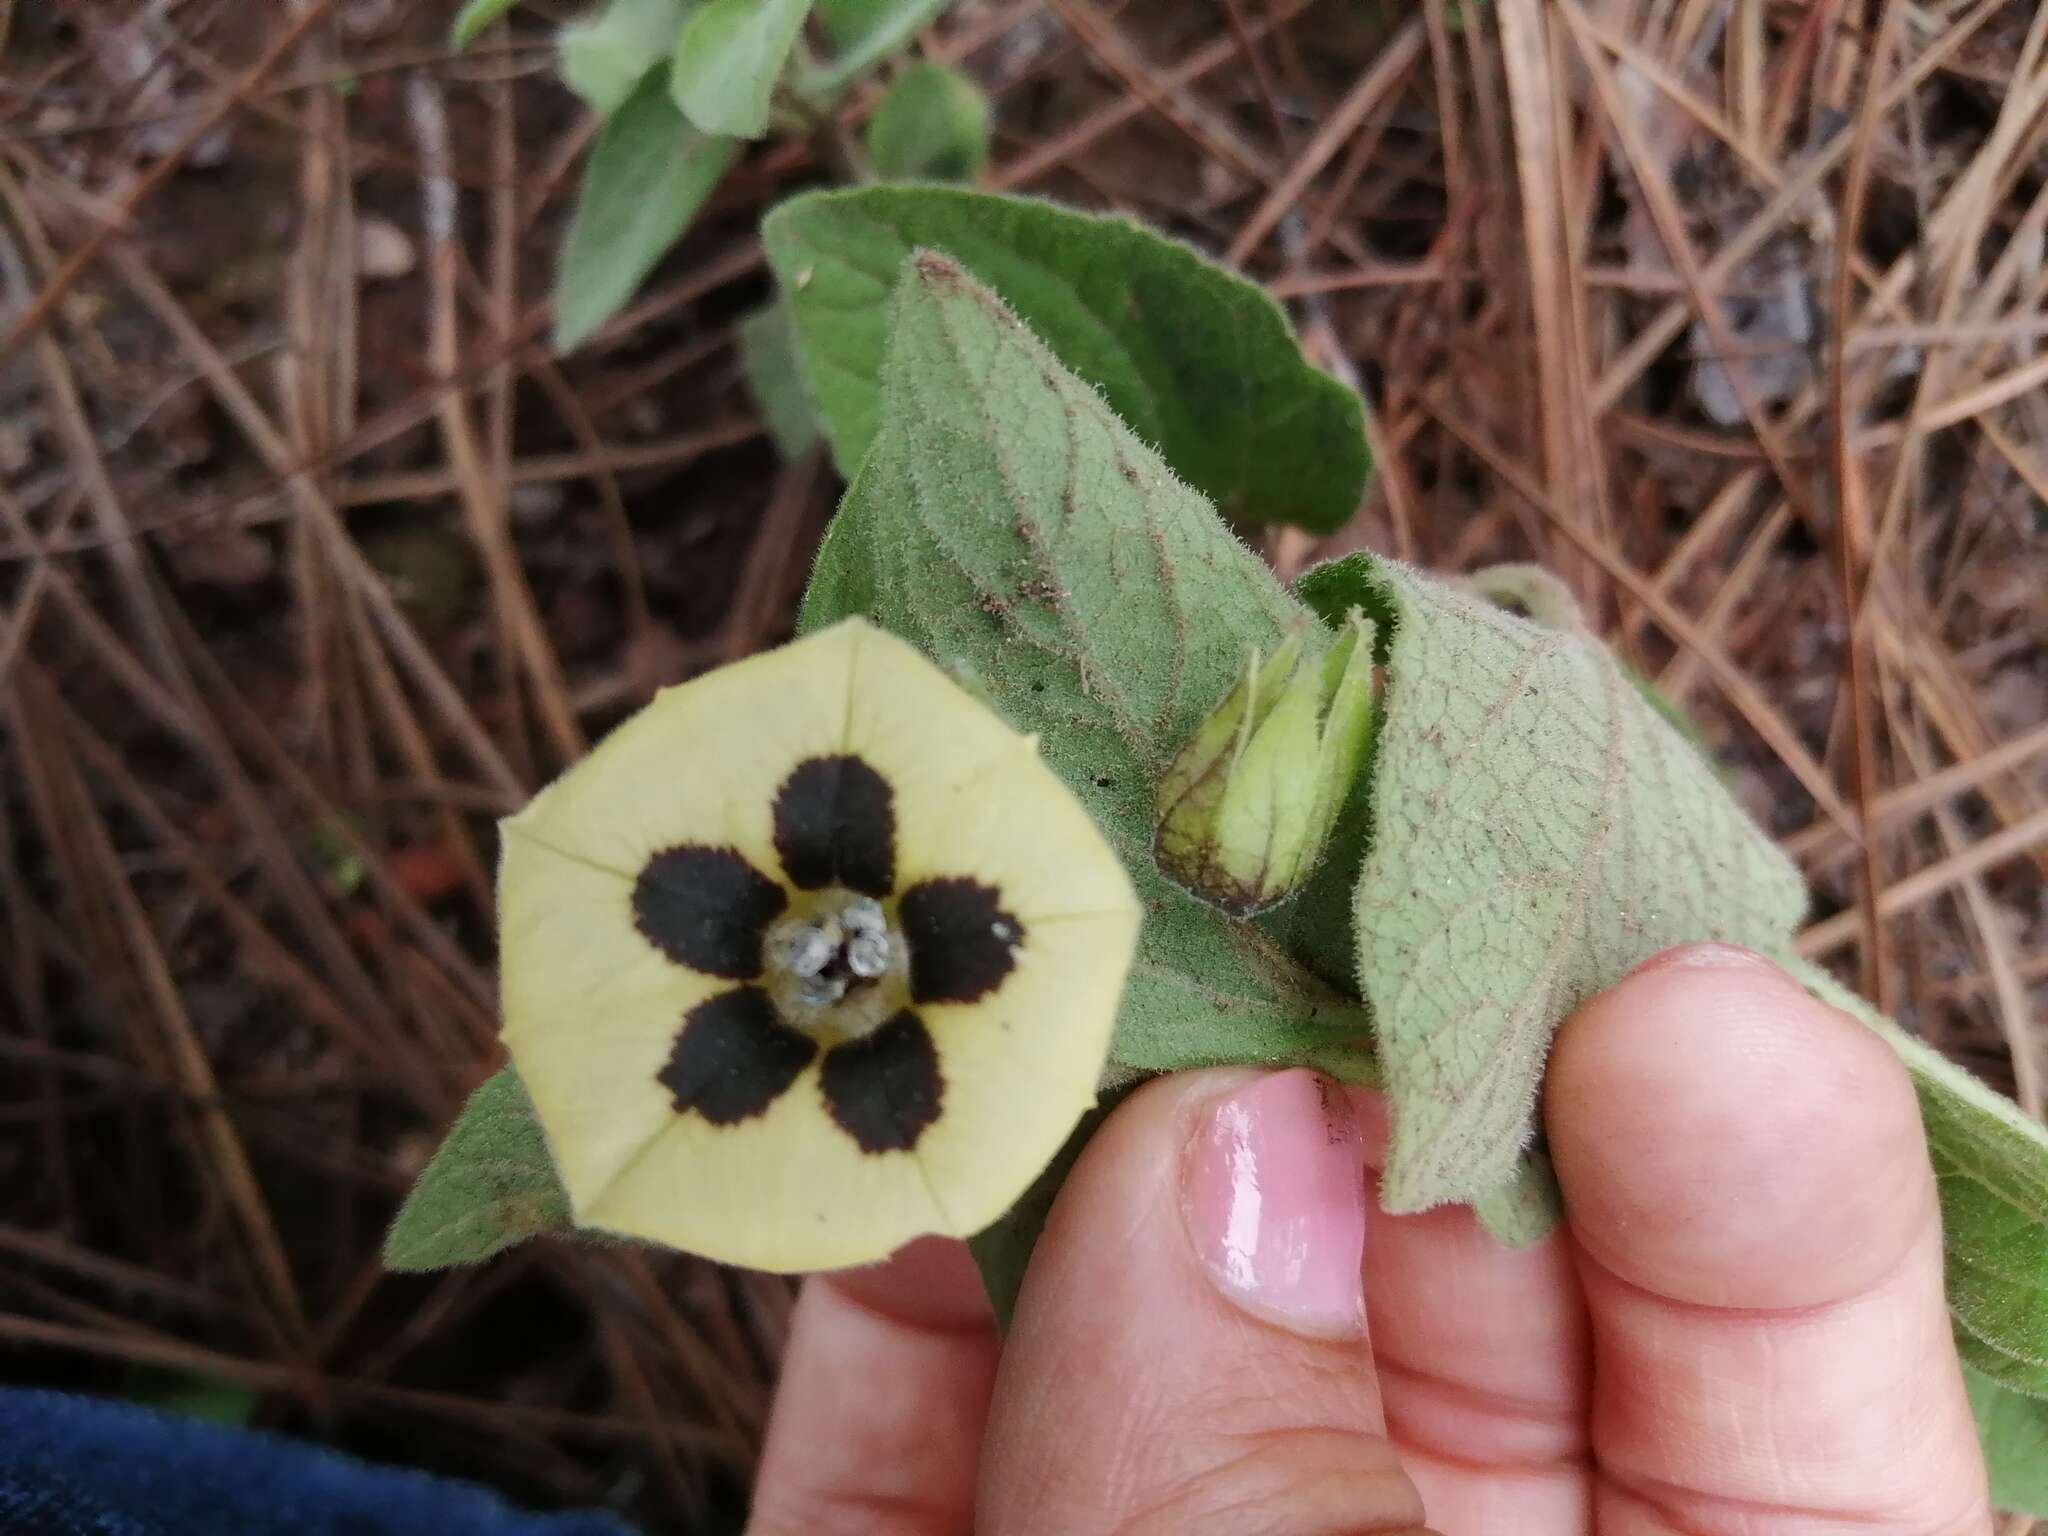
734, 1057
835, 824
962, 942
884, 1089
706, 908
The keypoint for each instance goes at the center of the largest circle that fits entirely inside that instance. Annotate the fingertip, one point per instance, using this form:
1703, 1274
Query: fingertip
1258, 1176
1189, 1343
1273, 1201
1724, 1139
930, 1282
885, 1387
1375, 1125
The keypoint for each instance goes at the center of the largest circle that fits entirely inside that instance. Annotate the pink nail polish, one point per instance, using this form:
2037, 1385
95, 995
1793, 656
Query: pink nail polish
1273, 1185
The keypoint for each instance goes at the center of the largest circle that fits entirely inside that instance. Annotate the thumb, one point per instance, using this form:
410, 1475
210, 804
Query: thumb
1189, 1353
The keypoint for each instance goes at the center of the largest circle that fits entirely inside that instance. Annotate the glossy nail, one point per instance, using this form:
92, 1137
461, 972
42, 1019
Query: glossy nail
1273, 1187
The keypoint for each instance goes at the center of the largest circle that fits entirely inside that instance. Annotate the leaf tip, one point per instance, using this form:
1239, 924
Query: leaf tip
410, 1249
491, 1184
939, 270
567, 335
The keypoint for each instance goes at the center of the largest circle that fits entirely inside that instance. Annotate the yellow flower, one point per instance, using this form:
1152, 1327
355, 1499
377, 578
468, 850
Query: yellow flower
811, 956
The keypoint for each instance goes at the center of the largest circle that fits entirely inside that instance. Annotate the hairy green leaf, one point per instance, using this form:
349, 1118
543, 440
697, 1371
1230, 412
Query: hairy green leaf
1537, 594
1532, 592
1008, 524
768, 354
2008, 1370
863, 33
728, 59
1537, 830
605, 57
1526, 1208
1991, 1168
471, 20
648, 175
1192, 358
1995, 1226
2013, 1430
932, 124
491, 1184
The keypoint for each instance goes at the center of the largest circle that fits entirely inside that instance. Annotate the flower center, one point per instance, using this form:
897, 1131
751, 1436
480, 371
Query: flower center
837, 966
839, 950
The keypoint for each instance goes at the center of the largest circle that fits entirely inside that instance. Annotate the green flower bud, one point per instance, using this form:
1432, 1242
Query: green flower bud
1245, 809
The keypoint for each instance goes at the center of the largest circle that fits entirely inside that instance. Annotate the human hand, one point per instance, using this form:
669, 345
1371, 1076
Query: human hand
1741, 1328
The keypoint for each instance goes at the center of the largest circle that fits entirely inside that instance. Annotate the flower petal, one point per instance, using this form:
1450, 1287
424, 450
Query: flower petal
1013, 1078
700, 763
787, 1190
591, 1009
734, 1057
835, 824
706, 908
885, 1089
962, 942
1017, 829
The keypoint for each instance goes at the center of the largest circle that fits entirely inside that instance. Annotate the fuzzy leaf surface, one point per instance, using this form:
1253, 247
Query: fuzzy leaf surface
491, 1184
648, 174
1009, 525
768, 355
1191, 357
1991, 1171
728, 59
932, 124
604, 57
1537, 830
863, 33
2013, 1429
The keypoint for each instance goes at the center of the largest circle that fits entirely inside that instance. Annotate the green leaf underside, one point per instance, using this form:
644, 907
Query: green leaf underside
491, 1184
1538, 830
1190, 357
1991, 1171
2013, 1430
471, 20
932, 124
1527, 1208
1530, 591
768, 356
605, 57
728, 59
1108, 631
648, 175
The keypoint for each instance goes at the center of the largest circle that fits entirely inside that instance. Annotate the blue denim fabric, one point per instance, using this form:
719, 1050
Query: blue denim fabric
80, 1466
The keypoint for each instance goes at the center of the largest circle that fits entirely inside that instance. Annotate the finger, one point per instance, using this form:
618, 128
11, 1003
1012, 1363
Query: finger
885, 1386
1189, 1353
1484, 1365
1748, 1188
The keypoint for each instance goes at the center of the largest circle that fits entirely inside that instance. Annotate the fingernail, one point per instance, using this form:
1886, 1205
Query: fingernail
1273, 1185
1705, 957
